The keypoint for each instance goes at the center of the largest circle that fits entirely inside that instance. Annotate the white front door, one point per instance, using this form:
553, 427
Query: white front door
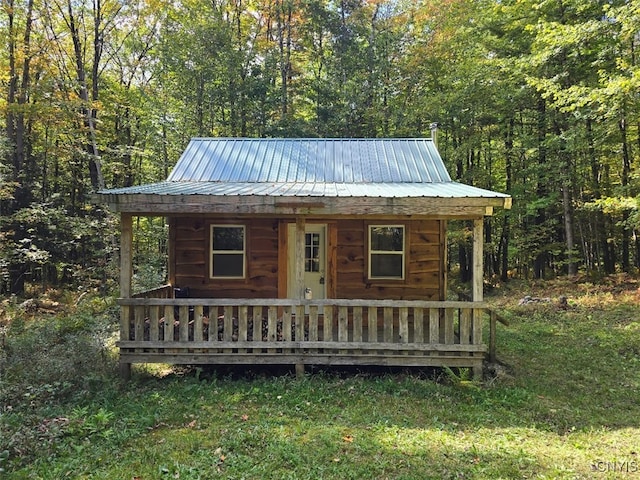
315, 248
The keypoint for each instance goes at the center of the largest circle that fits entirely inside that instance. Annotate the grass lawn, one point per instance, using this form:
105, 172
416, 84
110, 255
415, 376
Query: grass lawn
567, 405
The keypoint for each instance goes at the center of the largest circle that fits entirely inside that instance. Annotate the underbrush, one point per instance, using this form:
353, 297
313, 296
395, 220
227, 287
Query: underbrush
48, 363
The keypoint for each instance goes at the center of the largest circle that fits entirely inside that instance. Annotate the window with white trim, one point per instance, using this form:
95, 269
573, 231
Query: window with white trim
228, 251
386, 252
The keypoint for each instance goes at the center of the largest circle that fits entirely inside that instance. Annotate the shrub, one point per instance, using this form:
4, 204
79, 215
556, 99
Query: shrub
46, 363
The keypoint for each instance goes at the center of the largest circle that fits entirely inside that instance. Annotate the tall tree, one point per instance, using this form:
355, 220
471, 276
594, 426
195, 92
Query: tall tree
20, 57
19, 29
89, 26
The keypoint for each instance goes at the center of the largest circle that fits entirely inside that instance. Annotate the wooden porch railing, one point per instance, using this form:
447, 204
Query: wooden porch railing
165, 291
286, 331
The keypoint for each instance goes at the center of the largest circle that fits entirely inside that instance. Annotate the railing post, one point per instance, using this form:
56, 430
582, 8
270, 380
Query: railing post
300, 326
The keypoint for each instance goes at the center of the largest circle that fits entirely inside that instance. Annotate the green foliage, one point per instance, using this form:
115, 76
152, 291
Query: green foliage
46, 364
150, 253
463, 377
52, 247
7, 185
532, 98
616, 207
47, 360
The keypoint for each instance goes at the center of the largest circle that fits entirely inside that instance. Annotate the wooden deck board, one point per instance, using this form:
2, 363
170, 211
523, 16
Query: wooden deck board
292, 359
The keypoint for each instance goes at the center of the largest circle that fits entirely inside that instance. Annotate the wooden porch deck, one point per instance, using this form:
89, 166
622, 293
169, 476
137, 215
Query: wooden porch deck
299, 332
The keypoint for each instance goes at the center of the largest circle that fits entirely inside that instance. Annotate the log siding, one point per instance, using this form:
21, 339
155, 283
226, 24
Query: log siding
347, 253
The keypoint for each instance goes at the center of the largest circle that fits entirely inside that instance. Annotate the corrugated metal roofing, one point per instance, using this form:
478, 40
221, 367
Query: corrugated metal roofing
311, 189
387, 168
310, 160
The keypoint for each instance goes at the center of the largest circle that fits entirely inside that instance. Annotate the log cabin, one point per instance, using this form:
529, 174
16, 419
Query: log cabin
305, 252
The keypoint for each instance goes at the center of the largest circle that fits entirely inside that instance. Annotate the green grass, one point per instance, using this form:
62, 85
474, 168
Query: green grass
567, 406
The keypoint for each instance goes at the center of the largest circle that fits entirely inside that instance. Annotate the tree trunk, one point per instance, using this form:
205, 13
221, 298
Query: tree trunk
464, 261
88, 111
539, 262
283, 20
626, 173
17, 134
572, 267
504, 240
567, 202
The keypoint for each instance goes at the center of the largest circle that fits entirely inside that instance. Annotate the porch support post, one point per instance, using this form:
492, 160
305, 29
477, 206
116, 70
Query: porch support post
299, 266
126, 269
299, 269
477, 292
478, 256
171, 271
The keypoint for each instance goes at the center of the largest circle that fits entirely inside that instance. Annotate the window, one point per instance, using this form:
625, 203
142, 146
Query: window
386, 251
311, 252
227, 251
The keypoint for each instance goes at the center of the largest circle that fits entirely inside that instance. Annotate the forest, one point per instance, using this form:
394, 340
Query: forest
535, 98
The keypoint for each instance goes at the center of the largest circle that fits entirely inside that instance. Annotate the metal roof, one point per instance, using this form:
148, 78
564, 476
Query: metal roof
331, 168
310, 189
310, 160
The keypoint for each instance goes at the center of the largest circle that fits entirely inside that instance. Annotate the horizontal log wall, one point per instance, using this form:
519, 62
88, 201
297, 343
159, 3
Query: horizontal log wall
349, 332
191, 252
424, 269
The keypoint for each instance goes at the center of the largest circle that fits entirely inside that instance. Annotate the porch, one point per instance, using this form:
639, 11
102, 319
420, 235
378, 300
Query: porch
298, 332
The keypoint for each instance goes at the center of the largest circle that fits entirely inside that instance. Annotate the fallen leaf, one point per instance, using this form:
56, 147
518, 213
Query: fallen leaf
348, 438
245, 417
191, 424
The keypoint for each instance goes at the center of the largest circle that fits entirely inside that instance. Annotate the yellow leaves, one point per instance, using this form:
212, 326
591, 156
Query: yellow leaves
613, 205
221, 457
347, 439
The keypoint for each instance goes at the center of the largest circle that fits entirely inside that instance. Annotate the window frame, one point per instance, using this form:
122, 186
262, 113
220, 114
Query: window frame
313, 261
213, 252
371, 252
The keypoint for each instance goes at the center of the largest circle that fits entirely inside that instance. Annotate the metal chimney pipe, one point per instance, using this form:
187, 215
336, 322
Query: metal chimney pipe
434, 133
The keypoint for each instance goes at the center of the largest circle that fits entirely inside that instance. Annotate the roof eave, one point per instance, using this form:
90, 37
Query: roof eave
166, 205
